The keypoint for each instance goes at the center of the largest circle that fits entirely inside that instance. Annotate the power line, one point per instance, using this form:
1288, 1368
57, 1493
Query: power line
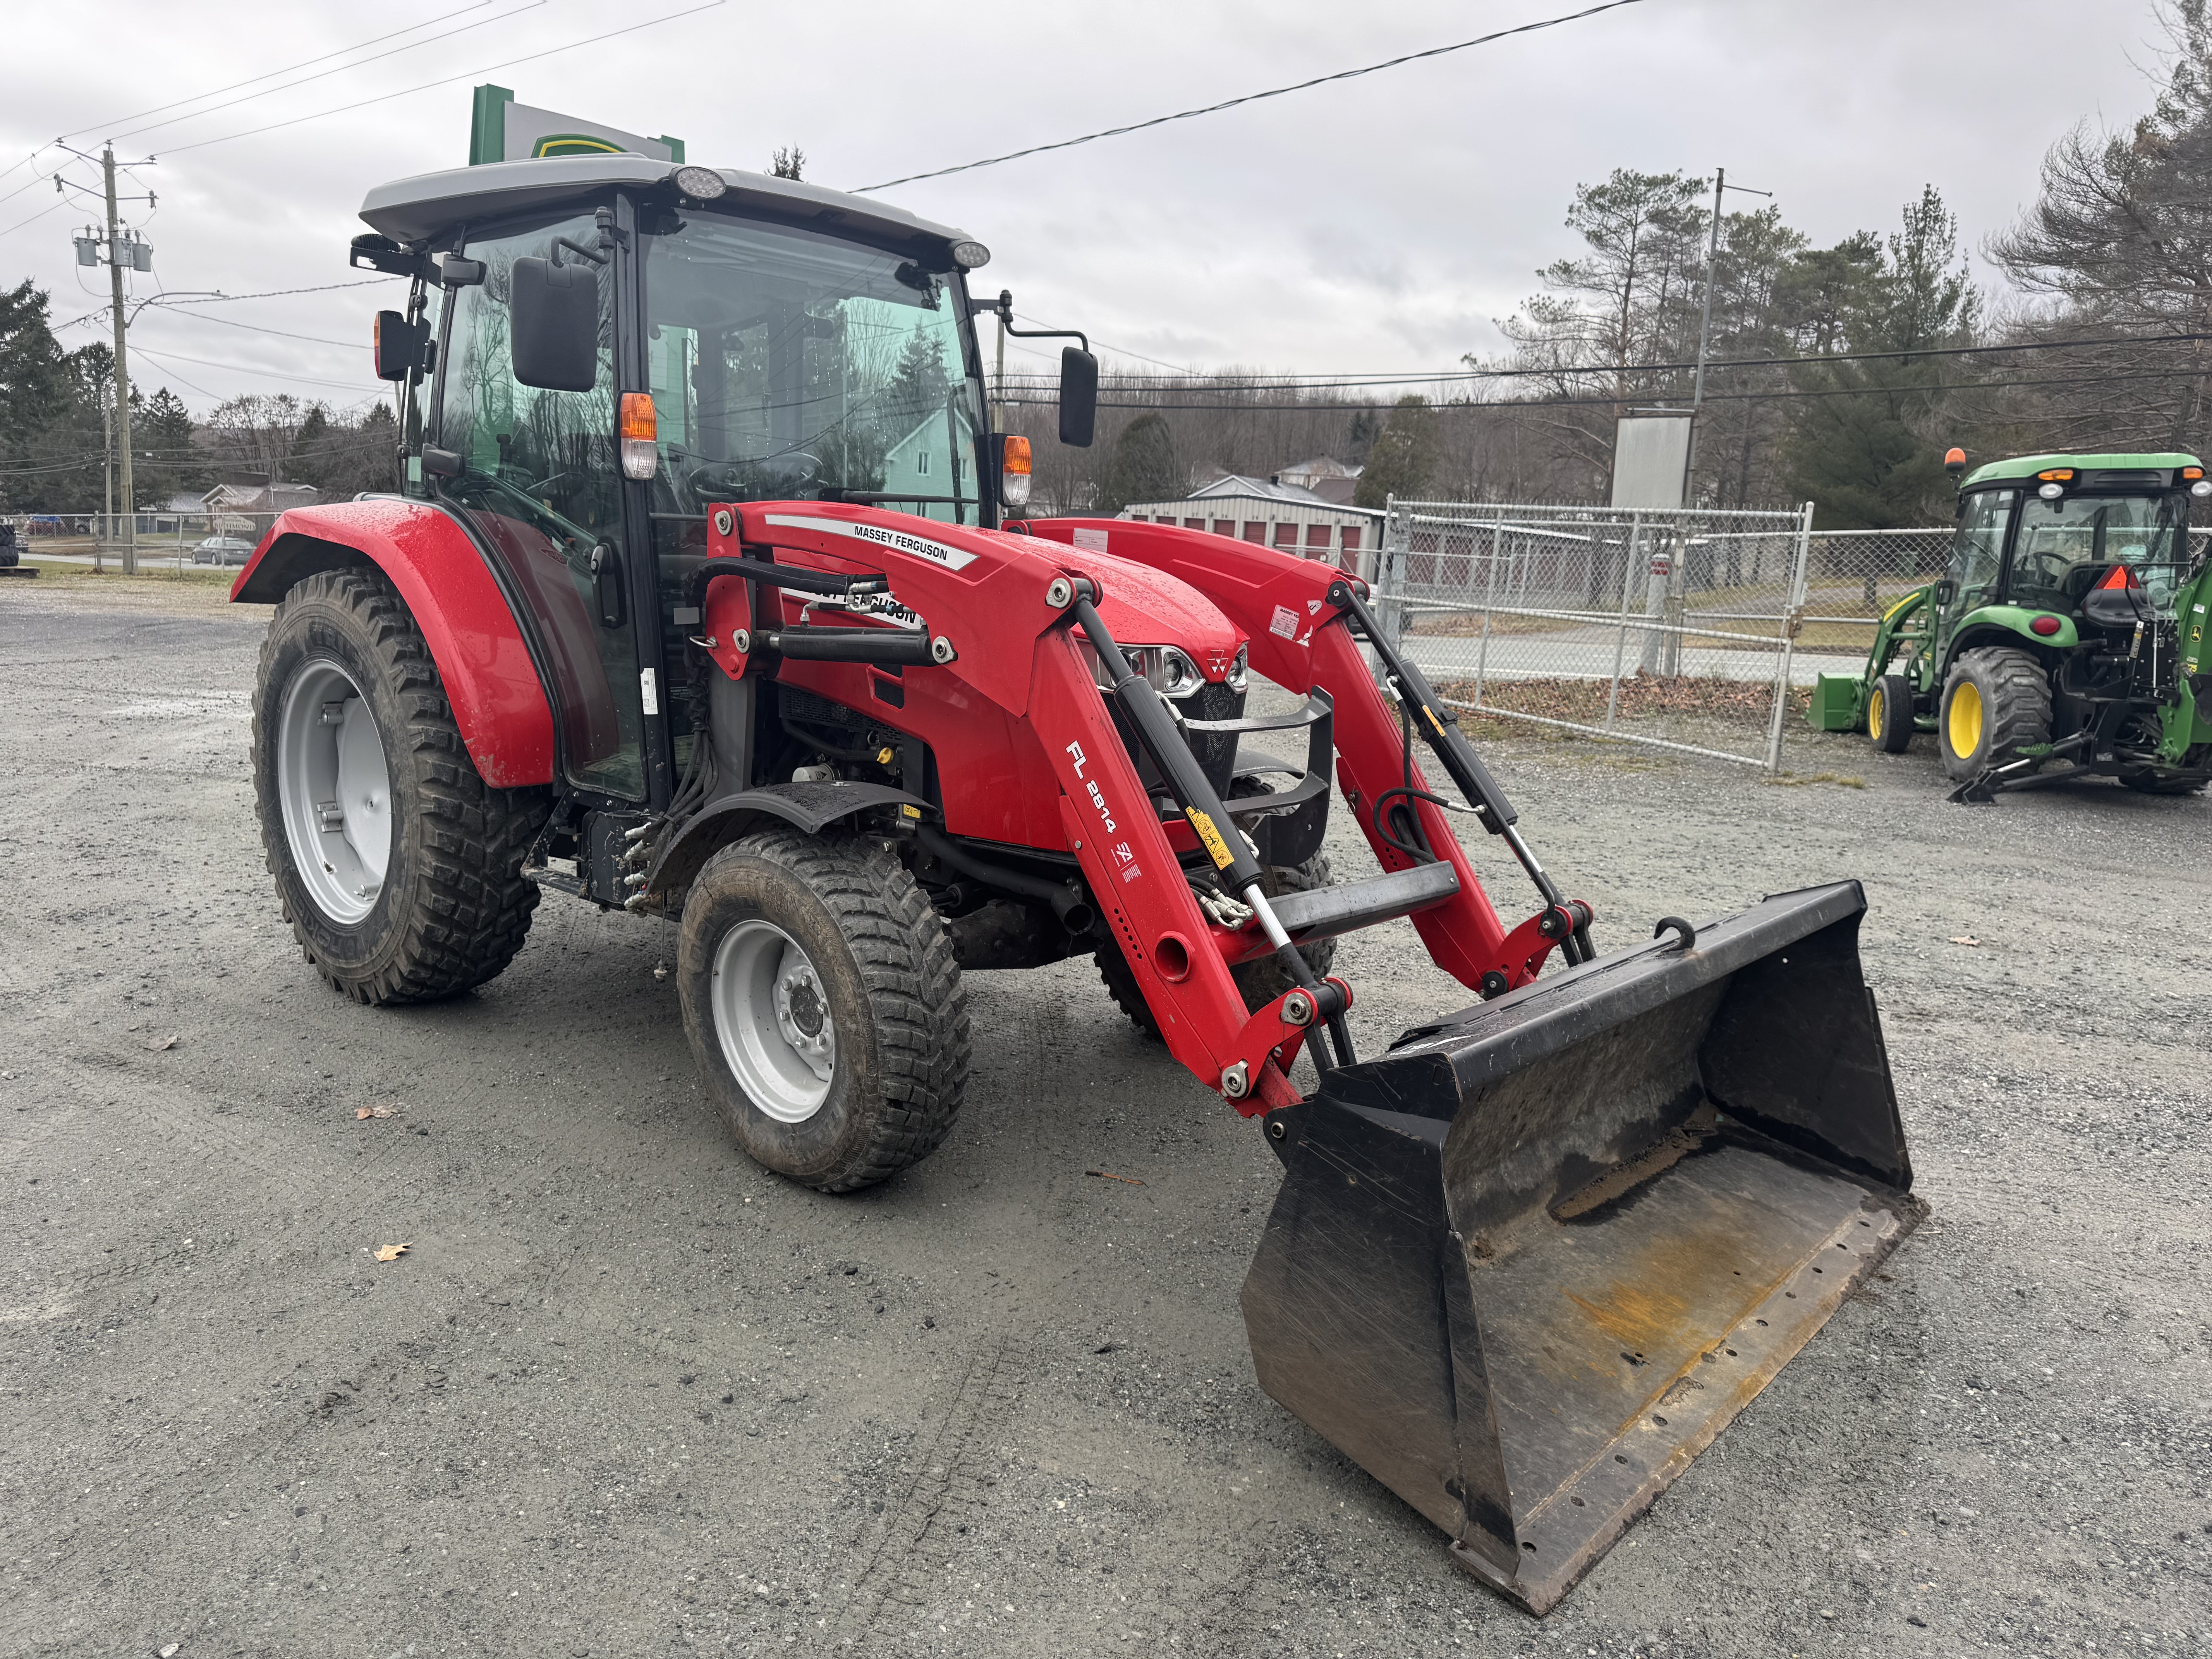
245, 368
320, 75
1255, 97
278, 293
469, 75
40, 214
1512, 406
1324, 383
304, 63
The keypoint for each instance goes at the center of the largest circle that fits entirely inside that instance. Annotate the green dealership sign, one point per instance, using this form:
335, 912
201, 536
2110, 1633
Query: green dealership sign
500, 129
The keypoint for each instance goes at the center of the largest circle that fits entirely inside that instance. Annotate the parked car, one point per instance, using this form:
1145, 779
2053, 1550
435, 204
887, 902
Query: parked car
222, 549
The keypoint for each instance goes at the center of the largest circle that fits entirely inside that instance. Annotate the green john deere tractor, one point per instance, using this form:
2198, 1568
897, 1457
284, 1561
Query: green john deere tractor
2065, 638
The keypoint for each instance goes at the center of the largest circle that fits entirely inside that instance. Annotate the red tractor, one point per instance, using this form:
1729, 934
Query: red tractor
700, 599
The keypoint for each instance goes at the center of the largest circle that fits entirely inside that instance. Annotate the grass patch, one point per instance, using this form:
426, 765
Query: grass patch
1642, 696
1841, 780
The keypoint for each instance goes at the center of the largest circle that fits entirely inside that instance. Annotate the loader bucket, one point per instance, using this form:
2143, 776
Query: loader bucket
1524, 1266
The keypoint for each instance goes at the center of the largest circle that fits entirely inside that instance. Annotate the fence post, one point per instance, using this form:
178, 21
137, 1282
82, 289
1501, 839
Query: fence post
1627, 586
1389, 586
1793, 605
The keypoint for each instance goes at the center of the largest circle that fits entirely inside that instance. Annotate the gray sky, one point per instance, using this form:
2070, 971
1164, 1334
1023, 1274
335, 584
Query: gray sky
1378, 225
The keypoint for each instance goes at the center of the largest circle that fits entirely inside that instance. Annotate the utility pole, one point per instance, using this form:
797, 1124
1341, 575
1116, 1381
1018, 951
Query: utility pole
121, 368
1720, 186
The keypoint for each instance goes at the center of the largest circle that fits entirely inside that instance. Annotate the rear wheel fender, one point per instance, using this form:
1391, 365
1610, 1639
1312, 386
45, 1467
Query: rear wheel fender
484, 656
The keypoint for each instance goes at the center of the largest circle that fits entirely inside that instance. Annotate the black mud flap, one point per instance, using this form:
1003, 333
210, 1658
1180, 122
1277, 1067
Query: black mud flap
1524, 1266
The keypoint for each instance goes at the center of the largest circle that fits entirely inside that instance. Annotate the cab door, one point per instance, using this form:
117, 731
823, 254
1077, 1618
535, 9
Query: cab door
538, 474
1977, 563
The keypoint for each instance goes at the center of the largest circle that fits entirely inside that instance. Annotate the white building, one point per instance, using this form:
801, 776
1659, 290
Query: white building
1279, 515
928, 461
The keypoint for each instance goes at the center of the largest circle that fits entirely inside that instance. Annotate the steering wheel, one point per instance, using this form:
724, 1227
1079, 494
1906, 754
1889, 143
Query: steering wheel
750, 480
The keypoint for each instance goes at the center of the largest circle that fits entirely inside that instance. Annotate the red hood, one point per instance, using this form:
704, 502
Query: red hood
1146, 606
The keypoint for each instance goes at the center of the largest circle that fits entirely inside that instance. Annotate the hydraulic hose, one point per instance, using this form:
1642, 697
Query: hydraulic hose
1239, 871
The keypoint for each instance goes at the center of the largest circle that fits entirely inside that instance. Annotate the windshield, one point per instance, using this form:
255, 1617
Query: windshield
787, 364
2061, 546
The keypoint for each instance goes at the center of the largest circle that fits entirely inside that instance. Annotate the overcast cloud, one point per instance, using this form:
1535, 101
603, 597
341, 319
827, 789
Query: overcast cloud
1382, 224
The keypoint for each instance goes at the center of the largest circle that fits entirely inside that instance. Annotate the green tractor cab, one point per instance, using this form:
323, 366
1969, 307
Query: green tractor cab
2068, 628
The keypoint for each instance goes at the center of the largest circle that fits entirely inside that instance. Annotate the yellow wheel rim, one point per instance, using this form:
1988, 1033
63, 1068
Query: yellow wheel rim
1873, 714
1965, 722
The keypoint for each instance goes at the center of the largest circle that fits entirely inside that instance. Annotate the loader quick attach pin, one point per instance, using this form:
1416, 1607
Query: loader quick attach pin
1060, 594
941, 651
1298, 1009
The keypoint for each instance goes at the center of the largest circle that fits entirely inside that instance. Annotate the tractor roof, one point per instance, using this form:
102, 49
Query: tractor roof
410, 209
2026, 467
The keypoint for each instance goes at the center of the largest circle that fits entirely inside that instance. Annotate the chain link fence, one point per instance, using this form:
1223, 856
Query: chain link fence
1674, 629
163, 540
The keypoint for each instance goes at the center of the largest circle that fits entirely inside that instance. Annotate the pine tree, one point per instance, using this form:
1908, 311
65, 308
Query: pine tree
1404, 459
1144, 467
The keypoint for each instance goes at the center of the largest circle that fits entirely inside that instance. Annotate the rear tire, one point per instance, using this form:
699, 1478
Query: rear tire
1889, 713
823, 1003
1996, 701
405, 884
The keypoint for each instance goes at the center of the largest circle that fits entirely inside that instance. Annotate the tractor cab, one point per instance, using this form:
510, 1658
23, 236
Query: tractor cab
2042, 533
595, 349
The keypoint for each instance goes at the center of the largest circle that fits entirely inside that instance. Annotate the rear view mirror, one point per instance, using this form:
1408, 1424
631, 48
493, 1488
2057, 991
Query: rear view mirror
399, 345
553, 326
1946, 590
1078, 397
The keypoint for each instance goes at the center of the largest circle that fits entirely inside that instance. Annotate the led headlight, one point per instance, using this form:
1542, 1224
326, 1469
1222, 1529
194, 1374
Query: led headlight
700, 184
970, 256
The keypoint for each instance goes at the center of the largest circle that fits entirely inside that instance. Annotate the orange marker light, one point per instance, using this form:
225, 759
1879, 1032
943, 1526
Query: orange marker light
2192, 472
640, 426
1014, 471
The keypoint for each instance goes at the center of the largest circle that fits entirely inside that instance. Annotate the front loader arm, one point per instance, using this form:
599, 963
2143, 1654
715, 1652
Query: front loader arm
1297, 613
1135, 880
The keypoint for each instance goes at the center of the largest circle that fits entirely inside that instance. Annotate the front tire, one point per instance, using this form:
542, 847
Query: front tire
398, 866
1996, 702
823, 1003
1889, 713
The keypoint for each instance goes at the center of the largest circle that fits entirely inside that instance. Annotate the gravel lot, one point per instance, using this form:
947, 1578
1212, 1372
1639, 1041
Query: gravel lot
628, 1395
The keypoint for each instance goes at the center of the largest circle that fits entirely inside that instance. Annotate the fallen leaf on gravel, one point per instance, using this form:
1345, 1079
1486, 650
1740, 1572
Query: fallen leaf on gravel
386, 1110
159, 1044
393, 1251
1965, 939
1108, 1174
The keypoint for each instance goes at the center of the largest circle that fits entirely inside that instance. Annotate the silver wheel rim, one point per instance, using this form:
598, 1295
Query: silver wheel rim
772, 1018
334, 791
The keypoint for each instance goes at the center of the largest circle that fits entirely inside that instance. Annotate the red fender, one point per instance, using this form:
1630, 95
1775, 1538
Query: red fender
498, 700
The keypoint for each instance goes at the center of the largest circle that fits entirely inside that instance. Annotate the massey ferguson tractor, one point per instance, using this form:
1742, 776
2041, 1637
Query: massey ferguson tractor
700, 599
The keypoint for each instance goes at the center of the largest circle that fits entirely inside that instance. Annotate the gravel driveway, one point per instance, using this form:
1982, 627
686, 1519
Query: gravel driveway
626, 1395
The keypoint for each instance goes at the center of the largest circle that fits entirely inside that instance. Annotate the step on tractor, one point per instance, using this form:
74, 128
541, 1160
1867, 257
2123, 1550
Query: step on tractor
2065, 638
706, 596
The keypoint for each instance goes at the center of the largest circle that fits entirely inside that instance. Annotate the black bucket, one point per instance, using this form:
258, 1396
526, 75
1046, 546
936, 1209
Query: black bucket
1524, 1266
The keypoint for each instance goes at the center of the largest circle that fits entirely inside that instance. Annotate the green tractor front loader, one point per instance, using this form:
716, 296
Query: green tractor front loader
2064, 639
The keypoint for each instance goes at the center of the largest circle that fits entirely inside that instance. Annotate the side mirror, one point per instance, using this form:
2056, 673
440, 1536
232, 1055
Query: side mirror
553, 326
1078, 397
399, 345
1946, 592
